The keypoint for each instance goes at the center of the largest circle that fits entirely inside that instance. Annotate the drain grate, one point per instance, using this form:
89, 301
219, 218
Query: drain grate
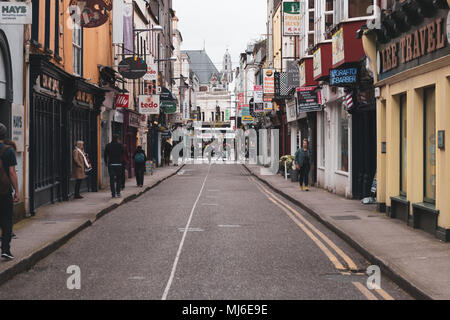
346, 217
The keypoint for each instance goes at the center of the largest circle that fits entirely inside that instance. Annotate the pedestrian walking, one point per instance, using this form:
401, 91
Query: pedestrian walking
167, 151
303, 162
8, 186
113, 156
139, 165
80, 166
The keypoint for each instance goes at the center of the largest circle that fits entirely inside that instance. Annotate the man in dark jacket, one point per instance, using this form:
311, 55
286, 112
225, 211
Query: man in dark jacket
113, 158
8, 185
303, 162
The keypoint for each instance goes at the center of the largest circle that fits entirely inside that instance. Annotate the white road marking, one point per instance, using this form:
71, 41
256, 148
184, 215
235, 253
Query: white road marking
229, 226
191, 229
209, 204
180, 248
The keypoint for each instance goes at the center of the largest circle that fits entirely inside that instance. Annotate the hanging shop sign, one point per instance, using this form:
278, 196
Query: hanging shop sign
344, 77
293, 74
169, 107
259, 107
247, 119
15, 13
317, 63
133, 68
424, 43
90, 13
291, 111
122, 101
268, 84
282, 89
291, 18
258, 94
308, 99
268, 106
118, 116
18, 129
149, 104
152, 73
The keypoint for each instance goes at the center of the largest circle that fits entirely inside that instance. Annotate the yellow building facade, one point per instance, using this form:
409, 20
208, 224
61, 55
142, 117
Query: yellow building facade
413, 124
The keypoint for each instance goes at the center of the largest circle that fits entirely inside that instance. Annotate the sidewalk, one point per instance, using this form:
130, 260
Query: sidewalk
417, 261
53, 225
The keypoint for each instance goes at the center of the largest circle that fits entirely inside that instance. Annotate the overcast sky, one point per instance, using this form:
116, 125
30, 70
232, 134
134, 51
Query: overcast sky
221, 24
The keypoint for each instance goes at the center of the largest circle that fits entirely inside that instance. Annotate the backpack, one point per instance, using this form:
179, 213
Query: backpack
139, 158
5, 182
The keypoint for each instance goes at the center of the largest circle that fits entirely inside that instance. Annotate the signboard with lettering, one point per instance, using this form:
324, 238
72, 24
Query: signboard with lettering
15, 12
169, 107
268, 106
258, 95
268, 84
308, 99
122, 101
149, 104
133, 68
18, 125
152, 73
134, 120
293, 74
344, 77
291, 18
424, 43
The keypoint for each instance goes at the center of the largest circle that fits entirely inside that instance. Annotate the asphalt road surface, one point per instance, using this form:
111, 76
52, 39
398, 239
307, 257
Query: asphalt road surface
241, 242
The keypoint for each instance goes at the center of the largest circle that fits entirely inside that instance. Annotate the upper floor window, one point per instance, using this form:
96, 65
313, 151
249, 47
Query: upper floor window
348, 9
77, 43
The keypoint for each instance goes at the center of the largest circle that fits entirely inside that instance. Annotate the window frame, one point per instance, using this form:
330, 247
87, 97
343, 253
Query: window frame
425, 198
77, 47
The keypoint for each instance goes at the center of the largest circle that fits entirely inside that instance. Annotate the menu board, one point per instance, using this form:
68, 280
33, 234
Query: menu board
308, 99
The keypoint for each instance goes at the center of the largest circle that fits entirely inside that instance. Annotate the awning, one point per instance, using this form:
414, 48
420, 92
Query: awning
167, 95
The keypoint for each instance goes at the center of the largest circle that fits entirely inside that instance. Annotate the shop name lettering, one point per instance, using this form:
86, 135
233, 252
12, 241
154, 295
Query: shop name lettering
149, 105
14, 9
426, 40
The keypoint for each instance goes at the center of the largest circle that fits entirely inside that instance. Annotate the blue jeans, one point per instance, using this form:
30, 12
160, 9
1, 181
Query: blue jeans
115, 177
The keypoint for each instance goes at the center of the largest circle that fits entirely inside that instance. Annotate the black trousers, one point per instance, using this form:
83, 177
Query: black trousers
115, 179
6, 220
304, 175
77, 187
140, 170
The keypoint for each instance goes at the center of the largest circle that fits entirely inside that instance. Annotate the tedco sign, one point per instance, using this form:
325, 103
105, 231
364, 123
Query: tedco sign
149, 104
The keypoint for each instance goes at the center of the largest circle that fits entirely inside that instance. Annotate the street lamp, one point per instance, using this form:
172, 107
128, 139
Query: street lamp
156, 28
173, 58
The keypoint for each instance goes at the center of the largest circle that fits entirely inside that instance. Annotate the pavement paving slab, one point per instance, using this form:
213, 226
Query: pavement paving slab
416, 260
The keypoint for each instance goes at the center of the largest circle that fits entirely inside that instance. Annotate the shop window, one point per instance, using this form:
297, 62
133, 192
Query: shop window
429, 102
403, 140
343, 140
77, 49
359, 8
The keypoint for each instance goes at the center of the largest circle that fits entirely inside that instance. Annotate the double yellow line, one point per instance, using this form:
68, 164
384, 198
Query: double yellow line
347, 268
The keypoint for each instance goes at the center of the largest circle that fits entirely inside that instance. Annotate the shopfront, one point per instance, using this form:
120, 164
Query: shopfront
413, 120
63, 110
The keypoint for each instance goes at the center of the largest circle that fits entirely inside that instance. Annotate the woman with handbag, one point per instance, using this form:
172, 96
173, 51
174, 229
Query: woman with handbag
303, 162
81, 165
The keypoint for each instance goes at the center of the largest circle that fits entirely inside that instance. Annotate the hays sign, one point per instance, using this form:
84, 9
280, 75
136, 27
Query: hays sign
149, 104
15, 13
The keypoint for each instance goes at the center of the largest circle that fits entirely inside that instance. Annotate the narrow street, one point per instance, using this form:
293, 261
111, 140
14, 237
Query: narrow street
242, 242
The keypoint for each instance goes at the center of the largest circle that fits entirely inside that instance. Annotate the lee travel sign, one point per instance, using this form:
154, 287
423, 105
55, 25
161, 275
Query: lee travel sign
15, 13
